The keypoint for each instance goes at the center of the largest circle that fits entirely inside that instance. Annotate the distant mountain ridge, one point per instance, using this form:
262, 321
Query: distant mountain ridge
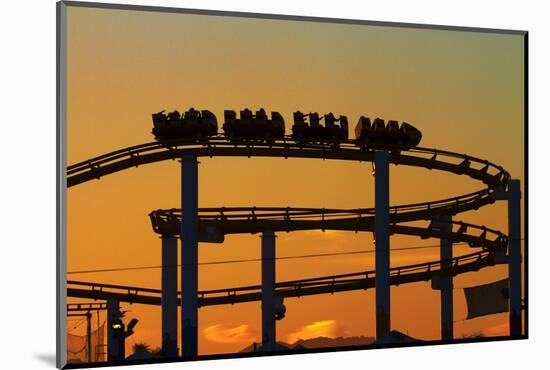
319, 342
322, 342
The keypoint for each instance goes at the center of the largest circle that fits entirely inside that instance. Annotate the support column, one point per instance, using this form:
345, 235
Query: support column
446, 279
268, 291
382, 241
514, 264
89, 336
114, 350
189, 255
169, 281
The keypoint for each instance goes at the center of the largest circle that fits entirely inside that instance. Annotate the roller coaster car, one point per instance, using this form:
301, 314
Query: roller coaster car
378, 134
253, 126
164, 225
334, 130
193, 124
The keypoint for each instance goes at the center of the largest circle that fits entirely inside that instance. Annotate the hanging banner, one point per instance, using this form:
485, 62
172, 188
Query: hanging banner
487, 299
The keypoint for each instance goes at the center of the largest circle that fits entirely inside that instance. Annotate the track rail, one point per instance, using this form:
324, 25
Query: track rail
253, 220
288, 289
399, 213
493, 176
134, 156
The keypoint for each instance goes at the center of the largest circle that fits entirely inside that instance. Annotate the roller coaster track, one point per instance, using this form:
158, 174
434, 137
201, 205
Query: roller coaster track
287, 289
256, 219
495, 177
138, 155
253, 220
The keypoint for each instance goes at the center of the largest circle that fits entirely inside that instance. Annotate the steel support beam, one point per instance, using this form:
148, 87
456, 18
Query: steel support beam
189, 255
382, 241
89, 336
268, 291
169, 296
446, 279
514, 264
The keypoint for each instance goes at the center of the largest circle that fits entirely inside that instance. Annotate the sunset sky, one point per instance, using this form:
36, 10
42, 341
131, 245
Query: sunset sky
464, 90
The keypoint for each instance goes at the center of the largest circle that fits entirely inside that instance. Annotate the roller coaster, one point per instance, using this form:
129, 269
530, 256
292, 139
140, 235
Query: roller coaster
221, 146
287, 289
494, 245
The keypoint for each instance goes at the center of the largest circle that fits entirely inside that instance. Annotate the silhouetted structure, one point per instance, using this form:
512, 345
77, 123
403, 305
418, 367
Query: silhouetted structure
382, 241
117, 332
256, 135
196, 125
253, 126
334, 130
379, 135
395, 337
444, 281
193, 124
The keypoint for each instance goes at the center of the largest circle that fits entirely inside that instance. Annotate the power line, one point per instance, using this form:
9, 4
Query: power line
366, 251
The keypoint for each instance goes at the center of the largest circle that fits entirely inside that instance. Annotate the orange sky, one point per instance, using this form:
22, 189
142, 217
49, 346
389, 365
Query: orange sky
464, 90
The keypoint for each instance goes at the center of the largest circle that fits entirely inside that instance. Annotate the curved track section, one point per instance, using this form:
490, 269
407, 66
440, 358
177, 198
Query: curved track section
95, 168
288, 289
163, 220
254, 220
495, 178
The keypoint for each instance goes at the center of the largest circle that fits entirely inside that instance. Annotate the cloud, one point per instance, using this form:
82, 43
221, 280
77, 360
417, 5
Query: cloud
229, 334
323, 328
